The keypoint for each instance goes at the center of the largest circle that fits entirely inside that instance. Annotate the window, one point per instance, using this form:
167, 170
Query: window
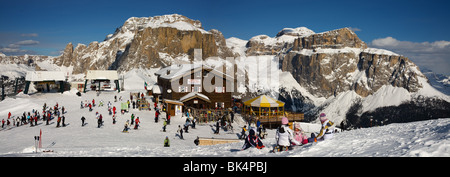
220, 105
220, 90
197, 89
182, 89
205, 73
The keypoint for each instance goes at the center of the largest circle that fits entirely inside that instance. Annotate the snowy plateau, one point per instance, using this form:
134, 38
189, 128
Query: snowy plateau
423, 138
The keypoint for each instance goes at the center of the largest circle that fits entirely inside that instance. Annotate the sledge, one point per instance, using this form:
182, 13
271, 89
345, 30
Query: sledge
202, 141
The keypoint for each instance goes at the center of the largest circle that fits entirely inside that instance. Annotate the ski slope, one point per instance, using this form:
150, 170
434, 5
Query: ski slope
425, 138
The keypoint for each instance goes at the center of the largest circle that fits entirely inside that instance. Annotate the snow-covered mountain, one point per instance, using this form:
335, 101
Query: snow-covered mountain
146, 42
440, 82
318, 72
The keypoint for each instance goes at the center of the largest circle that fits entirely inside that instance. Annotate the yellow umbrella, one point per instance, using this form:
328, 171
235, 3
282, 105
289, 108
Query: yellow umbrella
264, 101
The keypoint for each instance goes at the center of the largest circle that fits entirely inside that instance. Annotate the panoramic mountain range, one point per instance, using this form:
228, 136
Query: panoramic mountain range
331, 71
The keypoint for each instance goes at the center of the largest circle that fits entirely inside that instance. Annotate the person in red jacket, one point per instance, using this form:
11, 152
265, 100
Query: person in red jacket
137, 121
9, 115
59, 120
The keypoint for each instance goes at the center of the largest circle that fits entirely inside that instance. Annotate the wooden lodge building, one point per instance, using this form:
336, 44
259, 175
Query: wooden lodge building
195, 86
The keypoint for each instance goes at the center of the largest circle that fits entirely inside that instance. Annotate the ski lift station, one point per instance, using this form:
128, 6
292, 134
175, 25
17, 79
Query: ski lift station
101, 80
45, 81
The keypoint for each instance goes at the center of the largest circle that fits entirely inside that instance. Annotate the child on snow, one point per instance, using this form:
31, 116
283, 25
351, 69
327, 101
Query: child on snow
326, 132
166, 142
298, 134
284, 136
252, 141
125, 129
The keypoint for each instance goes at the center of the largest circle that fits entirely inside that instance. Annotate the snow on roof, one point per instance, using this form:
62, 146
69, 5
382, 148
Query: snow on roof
192, 95
102, 75
156, 89
177, 71
35, 76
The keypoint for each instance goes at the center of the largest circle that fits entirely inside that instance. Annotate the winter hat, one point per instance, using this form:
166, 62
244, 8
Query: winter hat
284, 121
323, 117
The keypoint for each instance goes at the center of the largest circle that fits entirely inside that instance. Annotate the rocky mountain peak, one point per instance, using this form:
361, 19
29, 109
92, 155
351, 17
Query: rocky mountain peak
146, 42
296, 32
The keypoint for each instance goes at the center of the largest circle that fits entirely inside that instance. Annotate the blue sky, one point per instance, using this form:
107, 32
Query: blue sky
44, 27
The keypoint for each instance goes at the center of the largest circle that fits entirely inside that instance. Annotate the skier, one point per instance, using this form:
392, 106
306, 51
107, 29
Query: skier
132, 119
125, 129
326, 132
156, 115
217, 128
180, 131
166, 142
284, 136
186, 125
164, 126
137, 123
100, 121
252, 141
59, 120
168, 118
3, 123
114, 119
63, 120
82, 120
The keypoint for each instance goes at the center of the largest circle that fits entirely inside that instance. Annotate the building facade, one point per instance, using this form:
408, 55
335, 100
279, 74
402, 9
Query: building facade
196, 86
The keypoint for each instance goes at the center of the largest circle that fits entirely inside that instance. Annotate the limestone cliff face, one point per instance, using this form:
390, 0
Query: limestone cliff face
336, 61
146, 43
335, 39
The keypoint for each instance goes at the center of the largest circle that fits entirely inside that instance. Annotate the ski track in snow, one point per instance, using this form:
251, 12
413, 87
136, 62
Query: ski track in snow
424, 138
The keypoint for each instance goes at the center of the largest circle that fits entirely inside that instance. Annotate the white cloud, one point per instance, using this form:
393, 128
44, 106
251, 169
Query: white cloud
434, 55
27, 42
354, 29
29, 35
15, 48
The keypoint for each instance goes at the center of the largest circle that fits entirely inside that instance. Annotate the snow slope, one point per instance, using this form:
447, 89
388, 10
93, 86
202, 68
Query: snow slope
425, 138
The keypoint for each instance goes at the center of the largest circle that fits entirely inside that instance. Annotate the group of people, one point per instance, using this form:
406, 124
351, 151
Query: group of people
31, 118
134, 122
286, 138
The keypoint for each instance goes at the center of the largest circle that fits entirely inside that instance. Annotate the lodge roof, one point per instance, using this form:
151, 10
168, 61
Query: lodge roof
35, 76
102, 75
175, 72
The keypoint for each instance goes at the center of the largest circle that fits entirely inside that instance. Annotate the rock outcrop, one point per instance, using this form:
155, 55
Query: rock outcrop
336, 61
146, 42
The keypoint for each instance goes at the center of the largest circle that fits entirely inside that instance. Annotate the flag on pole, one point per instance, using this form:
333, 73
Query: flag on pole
40, 139
145, 85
